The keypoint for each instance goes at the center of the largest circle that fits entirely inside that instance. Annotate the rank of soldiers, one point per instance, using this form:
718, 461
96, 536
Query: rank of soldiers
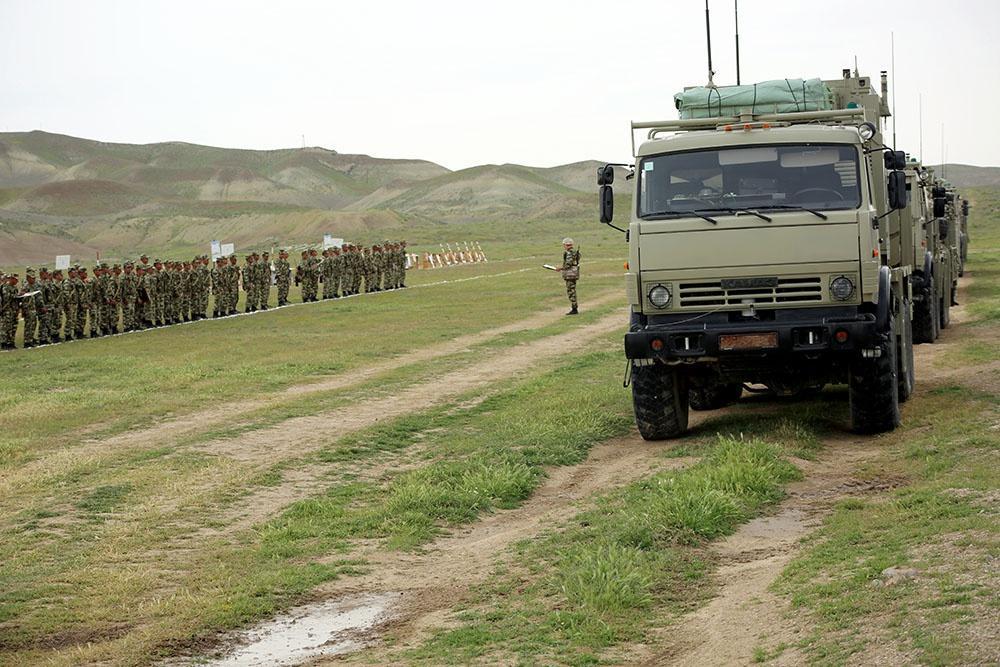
60, 306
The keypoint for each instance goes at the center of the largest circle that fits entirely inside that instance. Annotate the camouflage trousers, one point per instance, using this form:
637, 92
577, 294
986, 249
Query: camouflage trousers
109, 312
128, 316
8, 327
80, 320
30, 327
70, 309
264, 295
571, 292
283, 286
54, 324
96, 320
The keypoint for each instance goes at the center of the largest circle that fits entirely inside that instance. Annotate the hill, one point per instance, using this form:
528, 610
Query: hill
967, 175
172, 196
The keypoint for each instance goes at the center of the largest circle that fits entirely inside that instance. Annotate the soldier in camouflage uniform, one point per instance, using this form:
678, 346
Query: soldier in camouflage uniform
114, 299
150, 283
282, 277
326, 273
232, 285
54, 305
336, 272
570, 272
82, 287
128, 293
49, 304
202, 287
95, 303
249, 284
30, 306
162, 283
10, 305
264, 281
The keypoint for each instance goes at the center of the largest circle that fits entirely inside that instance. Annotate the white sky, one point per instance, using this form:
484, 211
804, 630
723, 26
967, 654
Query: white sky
464, 83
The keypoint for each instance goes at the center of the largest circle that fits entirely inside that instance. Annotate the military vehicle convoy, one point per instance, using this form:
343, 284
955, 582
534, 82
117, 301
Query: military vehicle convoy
772, 241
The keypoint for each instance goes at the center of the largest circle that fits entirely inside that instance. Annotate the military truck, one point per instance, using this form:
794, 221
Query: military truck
930, 258
763, 250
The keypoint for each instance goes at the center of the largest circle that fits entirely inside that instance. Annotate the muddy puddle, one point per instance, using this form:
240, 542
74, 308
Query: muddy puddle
305, 633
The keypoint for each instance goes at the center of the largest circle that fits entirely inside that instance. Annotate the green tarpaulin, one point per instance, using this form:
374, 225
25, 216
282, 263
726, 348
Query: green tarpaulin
779, 96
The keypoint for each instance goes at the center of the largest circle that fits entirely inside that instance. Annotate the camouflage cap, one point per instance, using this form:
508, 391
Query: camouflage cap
28, 271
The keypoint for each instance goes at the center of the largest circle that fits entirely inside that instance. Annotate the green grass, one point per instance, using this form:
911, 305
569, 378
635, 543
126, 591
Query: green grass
942, 522
635, 559
486, 456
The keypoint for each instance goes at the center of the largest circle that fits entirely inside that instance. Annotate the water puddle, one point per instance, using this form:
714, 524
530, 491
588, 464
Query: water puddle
322, 629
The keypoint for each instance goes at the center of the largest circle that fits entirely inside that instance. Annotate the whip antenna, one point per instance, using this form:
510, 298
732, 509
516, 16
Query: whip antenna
892, 63
708, 37
736, 13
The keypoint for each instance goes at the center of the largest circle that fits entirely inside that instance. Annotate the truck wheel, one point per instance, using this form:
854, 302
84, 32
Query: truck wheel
715, 396
660, 400
874, 389
925, 317
904, 353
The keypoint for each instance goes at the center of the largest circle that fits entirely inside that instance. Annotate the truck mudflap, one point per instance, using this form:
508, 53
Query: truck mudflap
716, 335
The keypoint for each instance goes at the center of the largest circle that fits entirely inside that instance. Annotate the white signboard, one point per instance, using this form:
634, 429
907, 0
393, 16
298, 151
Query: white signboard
228, 249
62, 261
216, 250
330, 242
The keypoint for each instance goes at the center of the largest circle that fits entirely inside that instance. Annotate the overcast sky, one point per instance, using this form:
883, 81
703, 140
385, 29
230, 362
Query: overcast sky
464, 83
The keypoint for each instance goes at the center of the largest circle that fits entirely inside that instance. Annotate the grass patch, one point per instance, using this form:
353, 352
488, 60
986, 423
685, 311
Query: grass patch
634, 558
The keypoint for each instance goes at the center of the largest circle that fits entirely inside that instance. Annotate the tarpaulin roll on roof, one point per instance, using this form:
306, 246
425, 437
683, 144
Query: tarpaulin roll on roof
778, 96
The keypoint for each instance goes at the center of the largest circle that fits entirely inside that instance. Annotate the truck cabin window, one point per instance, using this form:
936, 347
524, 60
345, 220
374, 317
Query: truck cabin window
818, 177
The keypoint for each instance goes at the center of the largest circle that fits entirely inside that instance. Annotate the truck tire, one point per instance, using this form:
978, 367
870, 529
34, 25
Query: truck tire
874, 388
715, 396
660, 400
925, 315
904, 353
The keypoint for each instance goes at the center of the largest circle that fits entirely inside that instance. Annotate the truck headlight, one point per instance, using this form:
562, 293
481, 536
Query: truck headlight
659, 296
842, 288
867, 131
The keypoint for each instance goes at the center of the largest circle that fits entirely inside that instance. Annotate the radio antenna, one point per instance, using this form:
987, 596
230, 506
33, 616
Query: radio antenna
892, 63
708, 37
736, 13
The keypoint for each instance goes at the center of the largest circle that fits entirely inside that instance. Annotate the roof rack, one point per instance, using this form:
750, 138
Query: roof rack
657, 127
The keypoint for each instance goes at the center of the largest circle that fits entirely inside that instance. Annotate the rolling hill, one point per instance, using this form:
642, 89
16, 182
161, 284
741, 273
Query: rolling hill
117, 198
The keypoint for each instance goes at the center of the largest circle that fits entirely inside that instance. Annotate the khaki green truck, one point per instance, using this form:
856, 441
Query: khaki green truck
765, 249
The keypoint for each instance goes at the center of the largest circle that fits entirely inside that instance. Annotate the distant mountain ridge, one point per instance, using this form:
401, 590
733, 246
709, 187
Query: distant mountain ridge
116, 197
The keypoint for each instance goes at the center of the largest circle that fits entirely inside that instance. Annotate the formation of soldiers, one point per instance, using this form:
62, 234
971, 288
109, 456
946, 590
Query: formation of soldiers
58, 306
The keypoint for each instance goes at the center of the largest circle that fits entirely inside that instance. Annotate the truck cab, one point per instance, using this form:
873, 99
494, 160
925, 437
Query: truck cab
764, 249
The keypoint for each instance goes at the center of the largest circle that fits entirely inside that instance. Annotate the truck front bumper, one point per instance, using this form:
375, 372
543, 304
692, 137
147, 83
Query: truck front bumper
806, 331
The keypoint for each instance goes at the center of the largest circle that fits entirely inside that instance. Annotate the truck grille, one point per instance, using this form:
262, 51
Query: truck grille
787, 290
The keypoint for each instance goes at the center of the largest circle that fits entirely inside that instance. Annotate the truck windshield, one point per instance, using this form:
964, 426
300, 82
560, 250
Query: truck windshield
789, 176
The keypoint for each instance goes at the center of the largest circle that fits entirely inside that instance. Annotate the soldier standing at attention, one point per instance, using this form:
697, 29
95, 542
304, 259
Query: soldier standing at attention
128, 292
570, 272
233, 285
95, 299
264, 293
326, 273
282, 277
9, 305
30, 306
71, 304
55, 305
248, 284
50, 302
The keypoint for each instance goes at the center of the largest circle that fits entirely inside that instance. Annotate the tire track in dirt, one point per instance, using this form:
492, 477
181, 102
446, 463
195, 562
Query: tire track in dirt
95, 449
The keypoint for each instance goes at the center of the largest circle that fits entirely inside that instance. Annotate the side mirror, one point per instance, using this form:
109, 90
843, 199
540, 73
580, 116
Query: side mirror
897, 190
944, 228
605, 175
965, 207
894, 160
938, 207
607, 196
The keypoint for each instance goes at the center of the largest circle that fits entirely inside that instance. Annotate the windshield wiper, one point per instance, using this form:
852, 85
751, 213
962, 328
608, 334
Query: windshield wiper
666, 215
796, 207
737, 211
